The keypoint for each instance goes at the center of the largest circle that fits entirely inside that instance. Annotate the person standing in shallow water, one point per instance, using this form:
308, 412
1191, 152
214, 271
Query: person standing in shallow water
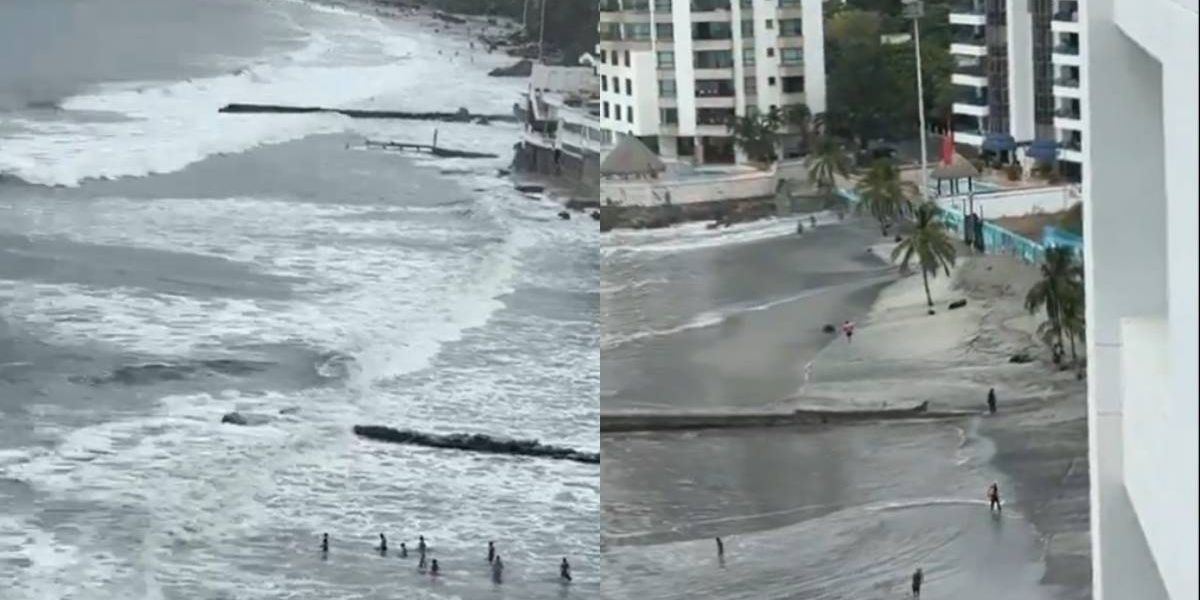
564, 570
917, 579
382, 544
991, 401
993, 495
324, 543
720, 548
491, 552
433, 568
497, 569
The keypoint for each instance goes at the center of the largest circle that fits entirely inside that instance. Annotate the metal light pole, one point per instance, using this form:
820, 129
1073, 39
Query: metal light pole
542, 32
915, 9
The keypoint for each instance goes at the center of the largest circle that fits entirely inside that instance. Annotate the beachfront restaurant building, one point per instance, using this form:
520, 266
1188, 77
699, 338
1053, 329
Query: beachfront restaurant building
1140, 258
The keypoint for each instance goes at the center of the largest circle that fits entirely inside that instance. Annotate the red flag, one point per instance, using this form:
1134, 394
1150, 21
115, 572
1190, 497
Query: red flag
948, 145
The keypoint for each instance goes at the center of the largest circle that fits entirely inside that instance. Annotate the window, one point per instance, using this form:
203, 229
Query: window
793, 85
713, 59
720, 88
666, 60
637, 31
669, 116
664, 31
790, 27
791, 56
604, 83
714, 116
605, 110
617, 111
627, 61
771, 81
628, 87
711, 31
770, 52
770, 24
747, 29
662, 6
616, 85
750, 86
790, 3
629, 114
666, 88
747, 3
603, 56
748, 57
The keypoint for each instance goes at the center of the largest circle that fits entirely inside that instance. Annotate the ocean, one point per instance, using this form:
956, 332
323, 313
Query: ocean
162, 265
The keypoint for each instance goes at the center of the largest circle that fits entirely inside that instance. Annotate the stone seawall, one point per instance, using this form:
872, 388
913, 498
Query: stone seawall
581, 174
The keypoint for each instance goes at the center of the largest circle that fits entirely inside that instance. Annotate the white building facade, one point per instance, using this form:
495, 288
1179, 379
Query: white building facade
1139, 86
673, 72
1018, 66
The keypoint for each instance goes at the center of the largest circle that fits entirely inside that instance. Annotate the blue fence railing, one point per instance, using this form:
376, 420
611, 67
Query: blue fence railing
1054, 237
996, 239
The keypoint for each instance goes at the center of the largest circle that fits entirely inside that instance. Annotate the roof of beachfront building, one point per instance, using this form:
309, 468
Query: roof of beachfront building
631, 157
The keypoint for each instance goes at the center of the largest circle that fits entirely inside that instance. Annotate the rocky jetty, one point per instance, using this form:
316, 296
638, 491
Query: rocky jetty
474, 443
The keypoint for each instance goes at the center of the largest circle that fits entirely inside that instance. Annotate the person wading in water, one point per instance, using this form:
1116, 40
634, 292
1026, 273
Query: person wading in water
564, 570
917, 578
991, 401
993, 495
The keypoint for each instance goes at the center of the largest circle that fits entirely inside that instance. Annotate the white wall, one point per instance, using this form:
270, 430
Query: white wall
814, 56
1015, 203
652, 193
1020, 70
1140, 113
685, 73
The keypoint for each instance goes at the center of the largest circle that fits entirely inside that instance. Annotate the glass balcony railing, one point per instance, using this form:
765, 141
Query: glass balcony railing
967, 8
1066, 49
974, 39
1069, 16
1069, 82
1067, 113
709, 5
973, 70
971, 99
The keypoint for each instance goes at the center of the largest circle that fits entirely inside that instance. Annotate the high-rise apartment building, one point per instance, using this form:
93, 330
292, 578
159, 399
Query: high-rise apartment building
674, 72
1140, 236
1018, 67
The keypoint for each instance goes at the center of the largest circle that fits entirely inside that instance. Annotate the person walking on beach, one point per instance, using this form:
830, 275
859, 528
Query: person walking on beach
497, 569
917, 578
564, 570
993, 495
720, 548
421, 547
812, 222
403, 550
848, 329
382, 544
491, 552
991, 401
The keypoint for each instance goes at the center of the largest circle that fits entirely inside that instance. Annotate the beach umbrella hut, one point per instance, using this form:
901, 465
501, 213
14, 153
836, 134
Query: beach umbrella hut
631, 159
954, 171
1042, 150
999, 143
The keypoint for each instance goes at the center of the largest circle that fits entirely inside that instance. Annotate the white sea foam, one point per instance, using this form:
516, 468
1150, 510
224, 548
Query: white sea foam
349, 62
697, 235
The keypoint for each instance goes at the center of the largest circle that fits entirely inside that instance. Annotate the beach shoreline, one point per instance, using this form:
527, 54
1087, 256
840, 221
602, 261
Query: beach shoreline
952, 358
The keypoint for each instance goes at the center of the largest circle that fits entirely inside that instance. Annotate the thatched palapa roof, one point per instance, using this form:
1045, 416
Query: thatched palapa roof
959, 168
631, 158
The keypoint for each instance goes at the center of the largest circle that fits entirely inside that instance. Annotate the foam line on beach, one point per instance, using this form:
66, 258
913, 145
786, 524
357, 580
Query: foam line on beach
635, 422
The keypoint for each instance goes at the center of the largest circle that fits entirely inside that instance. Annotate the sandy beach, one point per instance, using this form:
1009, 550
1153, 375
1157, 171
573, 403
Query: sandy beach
845, 511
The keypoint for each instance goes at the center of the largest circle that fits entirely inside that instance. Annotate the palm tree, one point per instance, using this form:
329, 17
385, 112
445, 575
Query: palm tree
1060, 292
827, 161
929, 243
885, 195
800, 117
756, 135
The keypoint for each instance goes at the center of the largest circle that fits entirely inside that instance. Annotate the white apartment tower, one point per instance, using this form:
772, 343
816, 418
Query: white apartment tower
1140, 238
1018, 67
673, 72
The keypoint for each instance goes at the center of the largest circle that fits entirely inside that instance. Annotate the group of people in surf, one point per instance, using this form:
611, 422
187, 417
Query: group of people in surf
431, 566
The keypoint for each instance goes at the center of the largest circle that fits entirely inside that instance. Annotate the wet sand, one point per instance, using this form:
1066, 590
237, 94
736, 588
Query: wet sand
848, 512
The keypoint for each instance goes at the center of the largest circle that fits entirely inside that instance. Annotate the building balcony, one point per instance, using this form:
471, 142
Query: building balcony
975, 107
716, 102
1065, 22
1067, 113
714, 72
976, 81
969, 46
1068, 123
1066, 89
713, 44
970, 138
1066, 56
712, 129
791, 69
790, 41
968, 13
792, 98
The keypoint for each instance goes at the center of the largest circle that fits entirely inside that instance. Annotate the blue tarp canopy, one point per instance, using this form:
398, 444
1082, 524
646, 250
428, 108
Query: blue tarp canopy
999, 142
1043, 150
